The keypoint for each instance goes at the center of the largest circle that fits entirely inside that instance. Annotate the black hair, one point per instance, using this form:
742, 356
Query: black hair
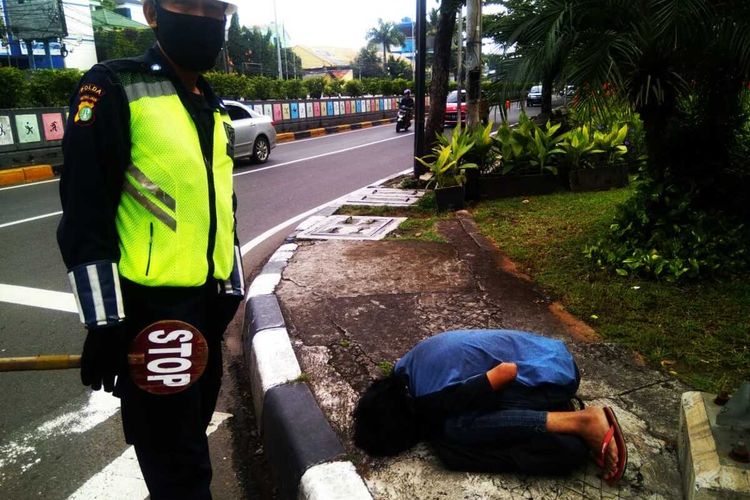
385, 420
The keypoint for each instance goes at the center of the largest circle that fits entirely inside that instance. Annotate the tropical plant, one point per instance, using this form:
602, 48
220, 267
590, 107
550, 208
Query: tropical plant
447, 164
385, 35
579, 149
612, 144
543, 147
512, 145
482, 153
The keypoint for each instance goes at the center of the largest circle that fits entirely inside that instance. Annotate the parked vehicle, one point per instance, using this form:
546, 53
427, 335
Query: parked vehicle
254, 133
568, 91
451, 109
403, 118
534, 96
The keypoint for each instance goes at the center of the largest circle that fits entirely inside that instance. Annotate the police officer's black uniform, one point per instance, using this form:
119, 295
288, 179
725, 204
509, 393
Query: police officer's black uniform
168, 432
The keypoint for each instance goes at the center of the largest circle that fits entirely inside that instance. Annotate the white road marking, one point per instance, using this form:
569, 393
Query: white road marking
35, 297
21, 451
122, 478
8, 224
29, 184
322, 155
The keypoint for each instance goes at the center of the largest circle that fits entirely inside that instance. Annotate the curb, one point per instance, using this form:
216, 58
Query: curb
33, 173
302, 448
304, 452
318, 132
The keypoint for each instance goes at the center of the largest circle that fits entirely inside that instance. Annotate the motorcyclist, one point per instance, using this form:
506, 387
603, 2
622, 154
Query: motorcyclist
407, 101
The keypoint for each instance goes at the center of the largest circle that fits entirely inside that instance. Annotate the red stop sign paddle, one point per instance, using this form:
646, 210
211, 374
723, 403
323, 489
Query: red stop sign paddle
167, 357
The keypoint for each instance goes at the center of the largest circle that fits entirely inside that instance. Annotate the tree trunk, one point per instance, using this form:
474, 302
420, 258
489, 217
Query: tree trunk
547, 82
385, 64
440, 71
473, 60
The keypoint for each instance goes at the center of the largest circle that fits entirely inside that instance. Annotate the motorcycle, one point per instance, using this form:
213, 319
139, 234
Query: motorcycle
403, 119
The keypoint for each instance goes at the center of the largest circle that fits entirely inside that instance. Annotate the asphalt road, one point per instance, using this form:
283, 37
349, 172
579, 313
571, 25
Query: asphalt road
58, 439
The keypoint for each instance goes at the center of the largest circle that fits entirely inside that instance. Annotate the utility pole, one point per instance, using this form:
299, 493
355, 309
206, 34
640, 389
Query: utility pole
473, 59
459, 87
278, 40
421, 52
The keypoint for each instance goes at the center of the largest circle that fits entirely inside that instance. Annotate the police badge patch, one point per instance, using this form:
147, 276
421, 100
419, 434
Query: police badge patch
229, 130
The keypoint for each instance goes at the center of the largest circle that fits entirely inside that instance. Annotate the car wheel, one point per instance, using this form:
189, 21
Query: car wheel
261, 150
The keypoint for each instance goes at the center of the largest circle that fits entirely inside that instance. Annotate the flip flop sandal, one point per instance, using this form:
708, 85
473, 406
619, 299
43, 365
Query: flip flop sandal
615, 433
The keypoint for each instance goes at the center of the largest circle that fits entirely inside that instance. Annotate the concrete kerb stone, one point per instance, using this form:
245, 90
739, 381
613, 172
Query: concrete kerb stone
300, 444
33, 173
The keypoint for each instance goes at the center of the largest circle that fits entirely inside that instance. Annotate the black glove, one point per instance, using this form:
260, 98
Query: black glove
104, 356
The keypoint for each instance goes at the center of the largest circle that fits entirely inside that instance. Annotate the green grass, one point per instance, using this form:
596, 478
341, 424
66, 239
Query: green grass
698, 332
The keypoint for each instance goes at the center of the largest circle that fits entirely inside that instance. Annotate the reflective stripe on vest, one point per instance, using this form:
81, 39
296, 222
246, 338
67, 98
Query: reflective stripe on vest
164, 215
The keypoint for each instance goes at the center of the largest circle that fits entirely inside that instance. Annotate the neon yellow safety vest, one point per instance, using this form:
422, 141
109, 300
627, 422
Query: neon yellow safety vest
164, 217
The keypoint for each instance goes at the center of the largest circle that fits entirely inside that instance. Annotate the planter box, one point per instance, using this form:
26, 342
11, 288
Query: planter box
450, 198
508, 186
598, 179
472, 184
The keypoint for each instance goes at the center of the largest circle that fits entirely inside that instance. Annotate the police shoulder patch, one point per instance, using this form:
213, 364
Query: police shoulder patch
85, 113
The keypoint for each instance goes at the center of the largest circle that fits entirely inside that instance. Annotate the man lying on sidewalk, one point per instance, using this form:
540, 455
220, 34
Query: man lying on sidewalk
490, 400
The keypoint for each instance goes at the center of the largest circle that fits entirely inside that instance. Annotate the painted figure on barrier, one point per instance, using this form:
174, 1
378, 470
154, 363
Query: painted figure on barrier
148, 233
490, 400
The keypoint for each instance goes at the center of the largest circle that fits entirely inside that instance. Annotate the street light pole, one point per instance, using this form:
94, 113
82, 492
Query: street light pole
419, 105
278, 40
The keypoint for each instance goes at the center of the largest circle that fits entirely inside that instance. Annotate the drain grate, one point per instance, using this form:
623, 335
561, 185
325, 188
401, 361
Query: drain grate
378, 196
348, 227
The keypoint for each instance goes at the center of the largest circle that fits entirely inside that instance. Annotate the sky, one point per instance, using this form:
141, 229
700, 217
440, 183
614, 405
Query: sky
335, 23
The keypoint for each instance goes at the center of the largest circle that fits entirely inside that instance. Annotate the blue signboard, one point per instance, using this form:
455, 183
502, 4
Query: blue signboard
295, 111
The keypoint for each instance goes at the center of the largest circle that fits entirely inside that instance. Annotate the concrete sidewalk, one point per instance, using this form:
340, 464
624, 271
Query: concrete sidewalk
352, 307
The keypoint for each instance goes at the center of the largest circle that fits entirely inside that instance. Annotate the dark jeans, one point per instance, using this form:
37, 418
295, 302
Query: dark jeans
513, 437
520, 413
169, 431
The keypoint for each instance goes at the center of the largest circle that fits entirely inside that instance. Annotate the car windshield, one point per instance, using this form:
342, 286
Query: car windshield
536, 89
453, 97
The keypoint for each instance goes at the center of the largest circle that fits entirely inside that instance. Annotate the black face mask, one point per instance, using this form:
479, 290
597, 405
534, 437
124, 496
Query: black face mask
191, 42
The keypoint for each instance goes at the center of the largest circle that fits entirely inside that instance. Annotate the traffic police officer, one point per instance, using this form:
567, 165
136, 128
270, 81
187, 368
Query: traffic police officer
148, 231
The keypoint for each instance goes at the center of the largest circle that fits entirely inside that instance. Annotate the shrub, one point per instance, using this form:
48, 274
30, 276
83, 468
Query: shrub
294, 89
334, 88
13, 88
660, 234
230, 85
386, 87
264, 87
354, 88
399, 85
52, 87
371, 86
315, 87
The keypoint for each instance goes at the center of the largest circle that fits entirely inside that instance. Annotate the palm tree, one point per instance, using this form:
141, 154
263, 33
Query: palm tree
385, 35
